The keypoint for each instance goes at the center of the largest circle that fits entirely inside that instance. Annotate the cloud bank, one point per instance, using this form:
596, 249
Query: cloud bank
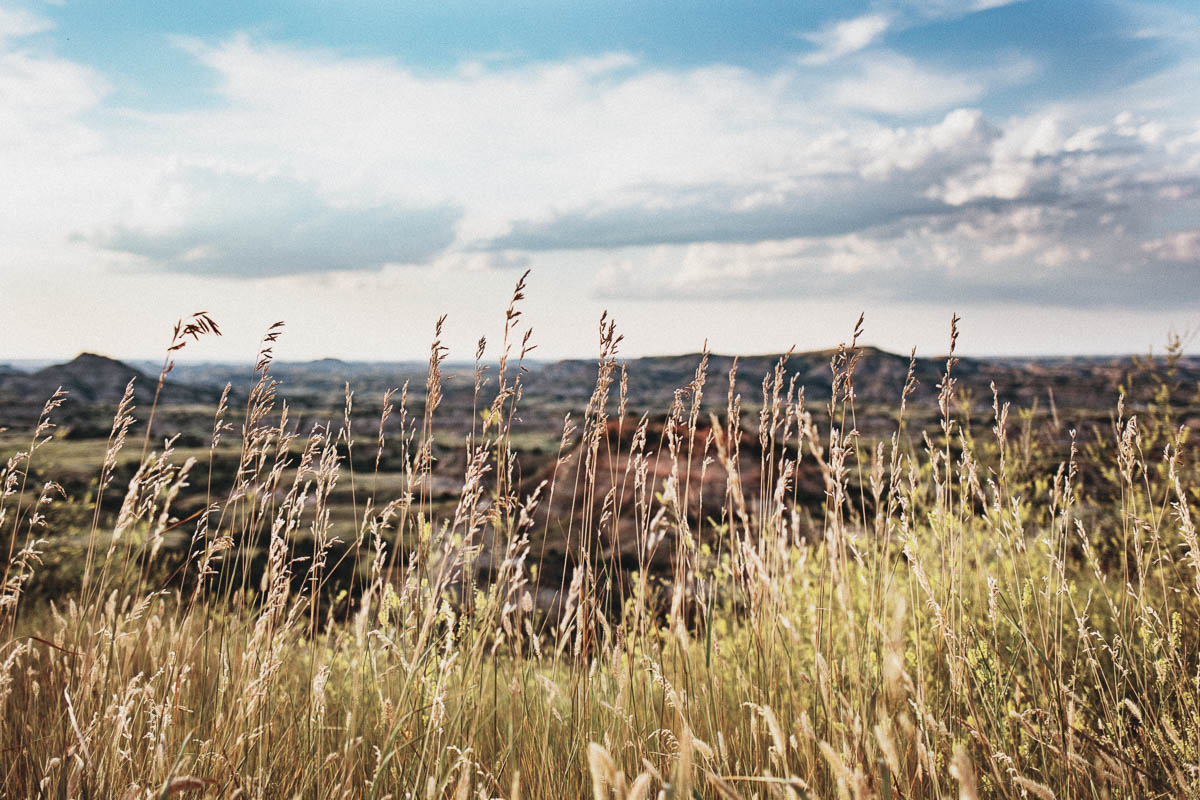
262, 226
1044, 213
855, 167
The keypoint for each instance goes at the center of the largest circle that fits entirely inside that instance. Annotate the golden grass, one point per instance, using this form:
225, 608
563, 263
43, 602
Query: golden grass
957, 627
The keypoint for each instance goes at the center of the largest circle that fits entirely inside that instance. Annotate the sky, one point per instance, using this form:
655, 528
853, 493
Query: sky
750, 174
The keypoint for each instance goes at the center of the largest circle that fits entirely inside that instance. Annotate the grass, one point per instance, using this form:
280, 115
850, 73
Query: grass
955, 621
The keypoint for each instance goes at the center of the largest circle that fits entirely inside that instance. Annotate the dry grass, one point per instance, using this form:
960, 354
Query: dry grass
956, 628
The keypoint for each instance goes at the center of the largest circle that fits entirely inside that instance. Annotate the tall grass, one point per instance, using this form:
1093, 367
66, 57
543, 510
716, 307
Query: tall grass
954, 622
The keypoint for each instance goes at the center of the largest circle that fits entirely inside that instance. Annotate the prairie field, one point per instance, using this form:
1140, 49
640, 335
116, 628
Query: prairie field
735, 595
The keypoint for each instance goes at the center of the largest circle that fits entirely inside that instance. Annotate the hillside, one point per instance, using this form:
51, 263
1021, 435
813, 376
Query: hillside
1070, 383
1074, 388
89, 380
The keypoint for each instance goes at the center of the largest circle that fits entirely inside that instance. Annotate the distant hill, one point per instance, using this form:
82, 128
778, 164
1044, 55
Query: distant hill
879, 376
325, 373
1081, 383
91, 379
1068, 382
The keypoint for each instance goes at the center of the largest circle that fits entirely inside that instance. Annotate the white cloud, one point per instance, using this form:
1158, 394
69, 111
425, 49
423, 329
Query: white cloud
1029, 218
16, 23
1016, 257
54, 170
963, 136
672, 158
843, 37
504, 143
248, 226
942, 9
888, 83
846, 36
708, 182
43, 96
1179, 246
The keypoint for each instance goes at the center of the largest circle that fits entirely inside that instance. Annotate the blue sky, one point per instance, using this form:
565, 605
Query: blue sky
1080, 46
751, 173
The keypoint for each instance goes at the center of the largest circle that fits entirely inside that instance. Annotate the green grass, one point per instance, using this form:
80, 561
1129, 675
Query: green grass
963, 624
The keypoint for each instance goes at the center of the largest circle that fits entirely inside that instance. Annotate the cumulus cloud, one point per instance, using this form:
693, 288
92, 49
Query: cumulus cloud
893, 84
1182, 246
884, 178
983, 258
1045, 213
823, 206
707, 182
239, 225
